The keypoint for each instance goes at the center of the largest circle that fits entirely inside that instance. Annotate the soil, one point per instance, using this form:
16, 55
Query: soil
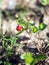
32, 42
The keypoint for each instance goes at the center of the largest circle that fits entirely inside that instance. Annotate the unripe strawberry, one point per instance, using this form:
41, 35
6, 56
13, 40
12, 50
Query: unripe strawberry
42, 26
34, 29
19, 28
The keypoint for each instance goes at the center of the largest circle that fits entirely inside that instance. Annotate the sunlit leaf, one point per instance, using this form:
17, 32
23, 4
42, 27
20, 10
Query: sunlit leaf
27, 57
42, 26
44, 2
34, 29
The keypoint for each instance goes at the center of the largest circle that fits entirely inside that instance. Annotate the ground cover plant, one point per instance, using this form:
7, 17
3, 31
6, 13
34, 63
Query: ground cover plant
26, 46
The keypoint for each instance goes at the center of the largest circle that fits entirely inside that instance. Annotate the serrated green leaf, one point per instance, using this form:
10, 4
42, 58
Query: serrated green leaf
34, 61
27, 57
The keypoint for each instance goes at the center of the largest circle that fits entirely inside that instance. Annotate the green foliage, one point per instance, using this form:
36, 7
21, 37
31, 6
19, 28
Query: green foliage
47, 44
34, 29
31, 59
1, 2
27, 57
0, 62
8, 47
42, 26
30, 24
38, 58
7, 63
45, 2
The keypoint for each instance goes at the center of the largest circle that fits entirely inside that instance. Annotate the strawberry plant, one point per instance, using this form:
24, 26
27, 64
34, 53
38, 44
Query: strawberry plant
30, 59
29, 24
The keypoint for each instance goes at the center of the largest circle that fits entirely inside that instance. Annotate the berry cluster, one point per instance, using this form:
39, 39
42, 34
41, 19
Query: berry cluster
29, 25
